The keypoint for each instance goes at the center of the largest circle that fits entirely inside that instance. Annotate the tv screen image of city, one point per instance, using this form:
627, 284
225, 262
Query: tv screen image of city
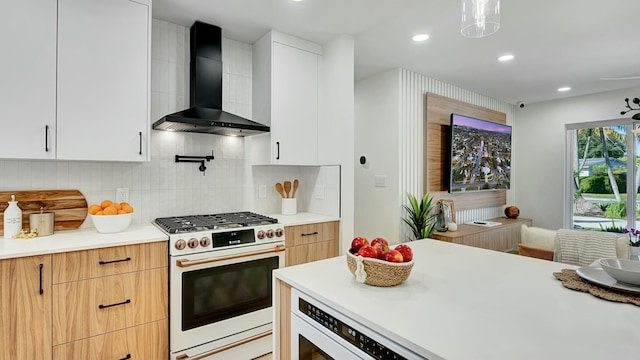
480, 155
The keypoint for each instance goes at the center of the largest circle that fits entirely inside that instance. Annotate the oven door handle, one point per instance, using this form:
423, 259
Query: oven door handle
224, 348
183, 263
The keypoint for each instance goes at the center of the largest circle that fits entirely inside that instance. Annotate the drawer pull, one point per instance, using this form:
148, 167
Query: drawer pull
113, 261
311, 234
41, 290
126, 357
116, 304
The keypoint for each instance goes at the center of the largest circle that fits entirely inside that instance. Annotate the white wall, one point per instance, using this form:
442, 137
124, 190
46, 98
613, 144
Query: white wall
336, 128
539, 149
377, 104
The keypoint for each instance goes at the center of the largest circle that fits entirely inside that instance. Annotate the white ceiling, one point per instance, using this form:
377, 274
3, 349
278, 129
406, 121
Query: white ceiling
555, 42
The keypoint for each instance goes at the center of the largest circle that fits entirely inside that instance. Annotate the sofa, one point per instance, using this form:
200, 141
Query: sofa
566, 245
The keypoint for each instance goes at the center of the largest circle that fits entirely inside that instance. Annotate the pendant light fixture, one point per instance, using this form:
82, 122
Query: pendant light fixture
480, 18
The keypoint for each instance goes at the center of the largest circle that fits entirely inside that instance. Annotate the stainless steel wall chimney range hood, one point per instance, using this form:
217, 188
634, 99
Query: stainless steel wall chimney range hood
205, 114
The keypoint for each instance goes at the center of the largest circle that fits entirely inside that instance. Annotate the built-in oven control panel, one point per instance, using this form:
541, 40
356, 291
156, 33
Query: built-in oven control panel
348, 333
203, 241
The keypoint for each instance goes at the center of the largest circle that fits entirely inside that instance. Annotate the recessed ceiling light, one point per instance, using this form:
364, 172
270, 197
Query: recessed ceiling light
564, 88
506, 57
420, 37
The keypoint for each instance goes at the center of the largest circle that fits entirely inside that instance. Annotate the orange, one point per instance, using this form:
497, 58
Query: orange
93, 209
110, 210
121, 212
118, 206
127, 208
99, 213
105, 203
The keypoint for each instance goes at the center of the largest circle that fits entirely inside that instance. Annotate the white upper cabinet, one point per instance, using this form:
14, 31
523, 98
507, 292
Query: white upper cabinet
28, 79
103, 80
285, 97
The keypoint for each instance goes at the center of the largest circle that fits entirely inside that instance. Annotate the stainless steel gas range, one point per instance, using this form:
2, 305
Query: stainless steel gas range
220, 271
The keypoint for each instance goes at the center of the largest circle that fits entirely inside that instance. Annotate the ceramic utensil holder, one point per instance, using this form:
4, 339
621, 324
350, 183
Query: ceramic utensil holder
289, 206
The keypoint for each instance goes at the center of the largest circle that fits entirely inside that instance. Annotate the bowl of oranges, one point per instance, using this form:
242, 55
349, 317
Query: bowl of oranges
110, 217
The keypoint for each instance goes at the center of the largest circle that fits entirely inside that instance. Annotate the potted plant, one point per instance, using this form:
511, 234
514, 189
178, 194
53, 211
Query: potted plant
420, 219
634, 243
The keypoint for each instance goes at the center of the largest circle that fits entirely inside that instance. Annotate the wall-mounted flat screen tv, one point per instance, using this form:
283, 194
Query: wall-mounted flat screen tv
480, 155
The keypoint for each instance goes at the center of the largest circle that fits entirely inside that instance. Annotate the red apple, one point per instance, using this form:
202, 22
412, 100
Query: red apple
379, 240
357, 243
405, 250
368, 251
381, 249
393, 256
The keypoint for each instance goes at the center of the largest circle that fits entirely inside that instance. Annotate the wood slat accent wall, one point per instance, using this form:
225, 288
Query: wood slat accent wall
437, 118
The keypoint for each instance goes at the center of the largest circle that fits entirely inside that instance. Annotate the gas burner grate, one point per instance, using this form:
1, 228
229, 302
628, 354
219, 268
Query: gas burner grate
192, 223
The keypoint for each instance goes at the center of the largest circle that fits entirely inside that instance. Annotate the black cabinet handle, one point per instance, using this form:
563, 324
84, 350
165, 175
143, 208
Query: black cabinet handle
126, 357
41, 290
278, 147
116, 304
113, 261
140, 134
310, 234
46, 138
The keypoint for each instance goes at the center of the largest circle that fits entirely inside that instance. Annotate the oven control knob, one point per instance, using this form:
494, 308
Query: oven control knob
279, 232
270, 233
261, 234
181, 244
193, 243
205, 242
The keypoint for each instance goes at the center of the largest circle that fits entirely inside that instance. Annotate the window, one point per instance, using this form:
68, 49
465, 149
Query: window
601, 192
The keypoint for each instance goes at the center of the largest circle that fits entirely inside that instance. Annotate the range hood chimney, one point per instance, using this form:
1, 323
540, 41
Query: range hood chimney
205, 114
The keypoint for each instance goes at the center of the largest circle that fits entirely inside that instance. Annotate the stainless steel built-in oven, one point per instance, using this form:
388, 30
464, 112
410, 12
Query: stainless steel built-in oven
221, 291
319, 332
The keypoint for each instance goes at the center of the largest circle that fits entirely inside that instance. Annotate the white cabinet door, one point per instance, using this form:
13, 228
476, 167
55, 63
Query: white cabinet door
103, 80
294, 107
28, 79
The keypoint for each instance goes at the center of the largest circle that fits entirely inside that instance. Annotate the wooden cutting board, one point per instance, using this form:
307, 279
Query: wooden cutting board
69, 207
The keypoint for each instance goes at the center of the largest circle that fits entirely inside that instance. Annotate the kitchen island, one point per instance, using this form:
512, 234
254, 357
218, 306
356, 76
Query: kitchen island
466, 303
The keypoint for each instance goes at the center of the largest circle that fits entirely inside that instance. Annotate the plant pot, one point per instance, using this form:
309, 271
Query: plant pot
633, 253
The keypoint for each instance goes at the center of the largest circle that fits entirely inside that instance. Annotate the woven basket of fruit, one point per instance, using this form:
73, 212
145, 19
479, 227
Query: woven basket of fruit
378, 265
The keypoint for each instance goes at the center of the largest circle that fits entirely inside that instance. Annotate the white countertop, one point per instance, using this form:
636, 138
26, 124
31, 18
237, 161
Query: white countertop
302, 218
466, 303
82, 239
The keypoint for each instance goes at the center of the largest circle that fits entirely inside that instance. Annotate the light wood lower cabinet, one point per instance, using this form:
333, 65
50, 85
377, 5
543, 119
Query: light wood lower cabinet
311, 242
111, 303
502, 237
25, 308
87, 264
96, 306
148, 341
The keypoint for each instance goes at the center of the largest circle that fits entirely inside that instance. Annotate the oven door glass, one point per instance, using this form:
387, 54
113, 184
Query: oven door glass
309, 351
219, 293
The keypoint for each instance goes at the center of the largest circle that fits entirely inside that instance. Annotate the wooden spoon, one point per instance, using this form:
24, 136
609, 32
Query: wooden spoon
295, 187
287, 187
279, 189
